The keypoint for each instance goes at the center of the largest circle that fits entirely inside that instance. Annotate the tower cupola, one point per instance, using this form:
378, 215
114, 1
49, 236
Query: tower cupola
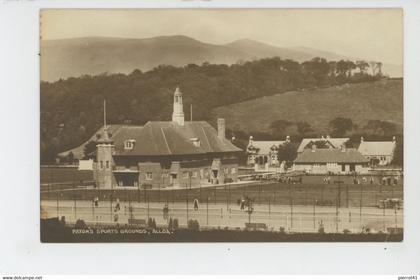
178, 113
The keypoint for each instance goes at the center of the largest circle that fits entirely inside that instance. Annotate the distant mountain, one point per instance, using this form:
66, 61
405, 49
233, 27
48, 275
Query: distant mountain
94, 55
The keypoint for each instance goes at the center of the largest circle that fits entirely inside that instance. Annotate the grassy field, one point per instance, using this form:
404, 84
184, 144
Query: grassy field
381, 100
68, 175
312, 190
264, 193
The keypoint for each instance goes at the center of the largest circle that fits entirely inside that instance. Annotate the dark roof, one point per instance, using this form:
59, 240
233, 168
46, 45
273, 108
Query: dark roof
162, 138
335, 142
330, 155
169, 138
113, 129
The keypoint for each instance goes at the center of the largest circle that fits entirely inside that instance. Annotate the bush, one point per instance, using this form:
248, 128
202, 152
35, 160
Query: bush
175, 224
282, 230
346, 231
193, 225
228, 180
170, 224
321, 228
80, 224
63, 220
151, 223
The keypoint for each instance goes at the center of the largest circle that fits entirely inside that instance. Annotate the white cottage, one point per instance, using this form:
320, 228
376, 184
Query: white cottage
379, 153
264, 154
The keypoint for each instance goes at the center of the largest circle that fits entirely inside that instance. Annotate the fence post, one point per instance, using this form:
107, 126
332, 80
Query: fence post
291, 213
361, 200
314, 214
207, 211
57, 205
395, 211
148, 208
384, 219
347, 196
75, 208
187, 206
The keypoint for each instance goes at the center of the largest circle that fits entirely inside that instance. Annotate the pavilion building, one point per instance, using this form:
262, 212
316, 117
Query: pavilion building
161, 154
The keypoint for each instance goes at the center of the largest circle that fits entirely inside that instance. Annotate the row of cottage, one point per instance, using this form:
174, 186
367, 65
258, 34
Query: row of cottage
180, 153
322, 155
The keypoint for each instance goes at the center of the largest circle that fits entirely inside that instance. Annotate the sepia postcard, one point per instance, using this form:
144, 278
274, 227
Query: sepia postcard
221, 125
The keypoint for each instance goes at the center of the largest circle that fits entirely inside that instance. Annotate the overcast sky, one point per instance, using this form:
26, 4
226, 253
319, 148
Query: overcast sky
375, 34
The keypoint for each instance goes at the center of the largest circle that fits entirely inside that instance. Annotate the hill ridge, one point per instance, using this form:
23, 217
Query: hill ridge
381, 100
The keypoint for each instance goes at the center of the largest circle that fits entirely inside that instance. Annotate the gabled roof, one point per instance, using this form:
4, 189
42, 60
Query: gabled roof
330, 156
113, 129
169, 138
335, 142
161, 138
264, 147
384, 148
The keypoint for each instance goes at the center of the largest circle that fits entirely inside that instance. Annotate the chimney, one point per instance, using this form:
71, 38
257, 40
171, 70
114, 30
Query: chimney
251, 140
328, 137
287, 139
313, 147
362, 139
221, 128
394, 139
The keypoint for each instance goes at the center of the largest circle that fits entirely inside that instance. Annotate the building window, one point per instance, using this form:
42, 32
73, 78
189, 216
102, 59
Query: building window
102, 164
226, 170
128, 144
233, 170
185, 175
149, 176
201, 173
194, 174
107, 164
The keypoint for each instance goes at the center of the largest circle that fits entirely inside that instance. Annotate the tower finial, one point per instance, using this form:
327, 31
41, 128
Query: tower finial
105, 136
104, 113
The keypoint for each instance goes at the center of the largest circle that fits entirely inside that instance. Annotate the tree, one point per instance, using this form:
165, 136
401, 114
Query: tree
344, 68
278, 127
318, 68
398, 158
341, 125
382, 128
304, 128
89, 149
362, 65
287, 152
70, 157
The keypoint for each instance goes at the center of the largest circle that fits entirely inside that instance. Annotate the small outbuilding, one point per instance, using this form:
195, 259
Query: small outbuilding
327, 161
